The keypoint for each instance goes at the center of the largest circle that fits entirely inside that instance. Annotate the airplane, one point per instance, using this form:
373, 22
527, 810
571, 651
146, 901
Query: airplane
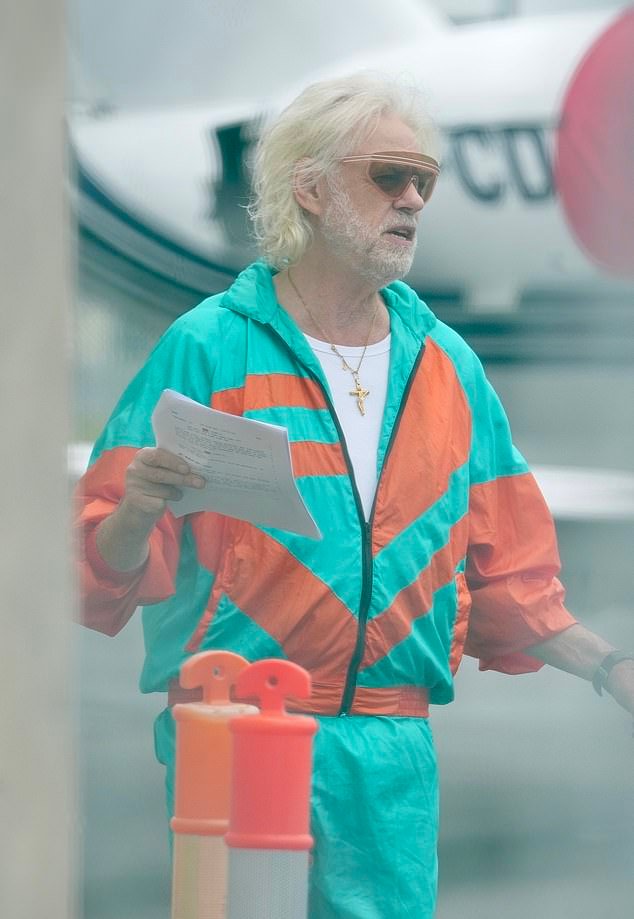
527, 146
537, 176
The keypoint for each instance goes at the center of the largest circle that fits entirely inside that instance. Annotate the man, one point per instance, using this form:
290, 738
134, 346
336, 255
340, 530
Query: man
436, 539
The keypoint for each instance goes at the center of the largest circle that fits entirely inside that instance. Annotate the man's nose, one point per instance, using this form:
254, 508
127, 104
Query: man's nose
411, 199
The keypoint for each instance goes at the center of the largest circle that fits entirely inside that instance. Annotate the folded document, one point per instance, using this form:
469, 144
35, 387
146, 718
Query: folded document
246, 465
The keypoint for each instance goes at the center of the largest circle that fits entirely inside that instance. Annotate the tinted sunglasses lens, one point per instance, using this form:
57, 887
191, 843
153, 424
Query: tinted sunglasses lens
394, 179
426, 184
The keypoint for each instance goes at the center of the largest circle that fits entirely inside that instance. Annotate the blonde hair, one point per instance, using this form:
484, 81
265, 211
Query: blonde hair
323, 124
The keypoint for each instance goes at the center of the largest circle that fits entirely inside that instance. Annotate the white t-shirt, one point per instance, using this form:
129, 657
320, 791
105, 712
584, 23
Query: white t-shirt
361, 432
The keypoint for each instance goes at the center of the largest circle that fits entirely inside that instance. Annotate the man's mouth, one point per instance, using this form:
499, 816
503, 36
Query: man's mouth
402, 232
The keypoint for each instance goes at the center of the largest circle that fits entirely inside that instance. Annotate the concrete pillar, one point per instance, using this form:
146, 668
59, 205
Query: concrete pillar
37, 813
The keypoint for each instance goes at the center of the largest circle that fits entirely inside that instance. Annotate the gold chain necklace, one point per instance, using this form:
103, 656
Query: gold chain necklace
358, 392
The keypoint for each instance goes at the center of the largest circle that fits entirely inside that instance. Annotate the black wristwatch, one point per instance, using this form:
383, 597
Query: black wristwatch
603, 670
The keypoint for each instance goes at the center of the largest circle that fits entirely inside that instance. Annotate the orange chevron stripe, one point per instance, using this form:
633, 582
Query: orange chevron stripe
289, 602
500, 510
394, 624
433, 441
313, 458
269, 390
212, 534
229, 400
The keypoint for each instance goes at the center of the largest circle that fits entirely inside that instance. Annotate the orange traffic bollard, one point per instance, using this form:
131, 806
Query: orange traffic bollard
203, 776
269, 837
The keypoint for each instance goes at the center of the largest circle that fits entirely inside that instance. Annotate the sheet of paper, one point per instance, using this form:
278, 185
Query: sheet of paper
246, 464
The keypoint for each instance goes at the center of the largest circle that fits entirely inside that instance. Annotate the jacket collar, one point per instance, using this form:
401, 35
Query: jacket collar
252, 294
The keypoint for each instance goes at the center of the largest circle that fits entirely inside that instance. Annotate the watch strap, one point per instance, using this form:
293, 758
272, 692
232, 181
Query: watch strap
602, 672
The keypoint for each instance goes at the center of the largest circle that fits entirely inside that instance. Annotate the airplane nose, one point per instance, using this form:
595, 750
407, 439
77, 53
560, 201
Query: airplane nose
594, 155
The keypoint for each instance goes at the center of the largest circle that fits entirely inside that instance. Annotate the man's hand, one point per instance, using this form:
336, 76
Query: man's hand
154, 477
580, 651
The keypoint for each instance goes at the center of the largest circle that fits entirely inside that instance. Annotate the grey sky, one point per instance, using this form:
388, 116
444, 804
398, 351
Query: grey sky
157, 52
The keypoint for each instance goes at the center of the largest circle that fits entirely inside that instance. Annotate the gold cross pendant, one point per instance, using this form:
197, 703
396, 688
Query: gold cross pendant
360, 394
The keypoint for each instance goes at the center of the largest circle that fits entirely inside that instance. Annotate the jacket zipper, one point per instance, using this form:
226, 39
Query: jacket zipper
350, 684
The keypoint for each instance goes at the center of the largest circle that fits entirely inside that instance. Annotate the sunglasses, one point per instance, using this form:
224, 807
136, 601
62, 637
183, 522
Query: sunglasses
392, 172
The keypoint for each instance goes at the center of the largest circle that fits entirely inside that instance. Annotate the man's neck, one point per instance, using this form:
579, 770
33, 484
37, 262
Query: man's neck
325, 304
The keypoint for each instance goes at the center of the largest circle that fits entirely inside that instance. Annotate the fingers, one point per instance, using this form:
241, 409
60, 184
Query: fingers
154, 465
154, 477
157, 456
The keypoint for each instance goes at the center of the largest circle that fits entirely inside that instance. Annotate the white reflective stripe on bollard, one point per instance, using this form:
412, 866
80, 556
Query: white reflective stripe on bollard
199, 883
268, 884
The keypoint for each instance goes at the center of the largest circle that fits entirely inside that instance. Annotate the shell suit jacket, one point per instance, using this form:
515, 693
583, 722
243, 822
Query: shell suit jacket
459, 554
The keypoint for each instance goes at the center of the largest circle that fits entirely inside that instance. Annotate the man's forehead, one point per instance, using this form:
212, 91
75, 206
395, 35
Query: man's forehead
389, 133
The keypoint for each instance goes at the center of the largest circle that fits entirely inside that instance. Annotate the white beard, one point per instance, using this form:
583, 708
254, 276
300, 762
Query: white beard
371, 254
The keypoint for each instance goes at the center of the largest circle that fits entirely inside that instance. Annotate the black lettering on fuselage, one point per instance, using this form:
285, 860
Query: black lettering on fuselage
492, 162
473, 151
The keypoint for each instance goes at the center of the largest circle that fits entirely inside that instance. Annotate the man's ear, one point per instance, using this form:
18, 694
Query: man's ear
307, 192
